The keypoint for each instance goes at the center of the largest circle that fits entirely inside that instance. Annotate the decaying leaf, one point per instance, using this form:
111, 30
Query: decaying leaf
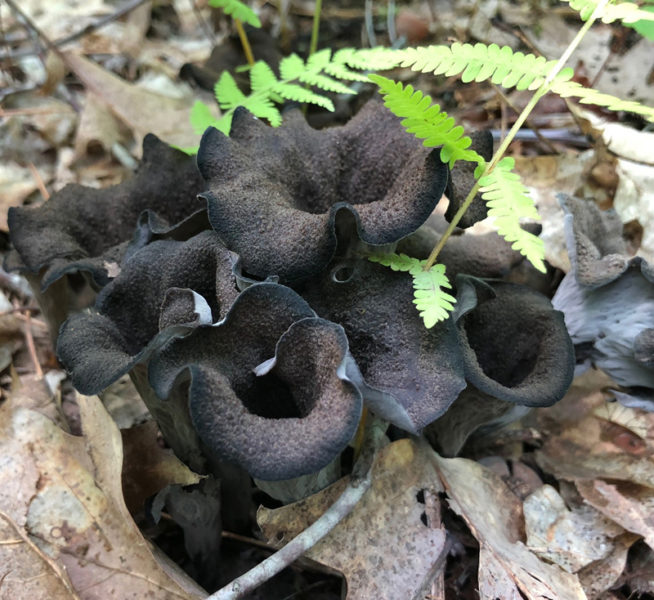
142, 110
569, 537
506, 567
62, 500
629, 505
148, 467
383, 547
596, 439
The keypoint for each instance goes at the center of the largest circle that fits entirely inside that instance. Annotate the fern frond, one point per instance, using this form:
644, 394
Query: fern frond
432, 302
227, 92
480, 62
322, 70
568, 89
426, 121
237, 10
627, 12
397, 262
201, 117
508, 201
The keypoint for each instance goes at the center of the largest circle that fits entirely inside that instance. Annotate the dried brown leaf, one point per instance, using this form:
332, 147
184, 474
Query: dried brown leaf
383, 547
64, 492
629, 505
493, 513
143, 111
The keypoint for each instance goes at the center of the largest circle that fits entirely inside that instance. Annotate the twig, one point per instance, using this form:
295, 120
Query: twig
390, 22
58, 571
370, 26
360, 481
31, 348
528, 121
121, 12
39, 181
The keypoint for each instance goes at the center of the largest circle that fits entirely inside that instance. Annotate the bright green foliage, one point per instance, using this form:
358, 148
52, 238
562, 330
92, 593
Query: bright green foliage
627, 12
508, 202
322, 70
643, 26
480, 62
432, 302
592, 96
237, 10
426, 121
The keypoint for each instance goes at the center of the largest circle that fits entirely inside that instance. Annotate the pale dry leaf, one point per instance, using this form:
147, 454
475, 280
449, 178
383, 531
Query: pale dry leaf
493, 513
64, 492
629, 505
600, 576
98, 128
569, 537
634, 197
383, 547
545, 177
593, 439
143, 111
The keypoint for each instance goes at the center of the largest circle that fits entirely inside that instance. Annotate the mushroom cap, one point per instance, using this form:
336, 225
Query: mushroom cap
267, 389
164, 290
409, 375
515, 345
88, 229
274, 193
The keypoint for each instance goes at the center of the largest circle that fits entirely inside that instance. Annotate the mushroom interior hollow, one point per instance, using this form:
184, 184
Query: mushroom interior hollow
490, 340
271, 397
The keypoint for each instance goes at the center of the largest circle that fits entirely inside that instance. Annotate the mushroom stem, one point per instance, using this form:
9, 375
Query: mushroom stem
358, 485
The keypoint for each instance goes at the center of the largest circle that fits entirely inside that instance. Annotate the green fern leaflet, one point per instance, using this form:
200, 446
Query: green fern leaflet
628, 12
426, 121
237, 10
508, 202
432, 302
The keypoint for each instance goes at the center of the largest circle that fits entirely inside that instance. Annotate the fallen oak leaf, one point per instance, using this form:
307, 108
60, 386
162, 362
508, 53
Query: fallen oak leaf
364, 546
64, 492
507, 568
142, 110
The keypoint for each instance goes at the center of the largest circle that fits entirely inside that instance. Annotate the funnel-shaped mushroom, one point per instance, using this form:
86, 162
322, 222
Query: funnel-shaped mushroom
515, 345
268, 388
608, 300
165, 289
410, 375
274, 193
87, 229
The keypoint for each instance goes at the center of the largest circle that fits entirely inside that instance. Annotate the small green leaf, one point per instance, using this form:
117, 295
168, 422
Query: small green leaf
201, 117
237, 10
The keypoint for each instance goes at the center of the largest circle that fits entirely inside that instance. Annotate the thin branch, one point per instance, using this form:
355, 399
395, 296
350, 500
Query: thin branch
121, 12
359, 483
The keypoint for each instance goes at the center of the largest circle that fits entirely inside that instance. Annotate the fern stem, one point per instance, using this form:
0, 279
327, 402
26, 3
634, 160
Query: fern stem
522, 117
247, 50
313, 46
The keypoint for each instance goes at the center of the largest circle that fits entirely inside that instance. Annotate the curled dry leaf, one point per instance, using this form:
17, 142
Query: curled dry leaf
383, 548
507, 567
629, 505
62, 499
595, 439
571, 538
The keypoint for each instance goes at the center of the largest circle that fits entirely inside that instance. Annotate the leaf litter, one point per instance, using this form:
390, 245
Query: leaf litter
65, 529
